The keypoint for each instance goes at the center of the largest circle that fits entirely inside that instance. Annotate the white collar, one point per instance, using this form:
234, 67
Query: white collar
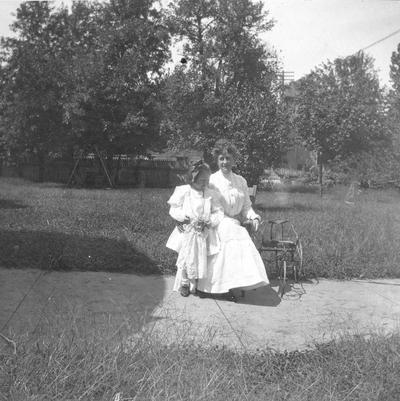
227, 177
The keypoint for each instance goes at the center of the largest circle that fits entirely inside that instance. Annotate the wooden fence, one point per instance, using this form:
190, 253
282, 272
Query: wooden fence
130, 173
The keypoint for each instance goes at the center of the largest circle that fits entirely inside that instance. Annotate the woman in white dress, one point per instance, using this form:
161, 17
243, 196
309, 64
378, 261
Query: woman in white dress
238, 265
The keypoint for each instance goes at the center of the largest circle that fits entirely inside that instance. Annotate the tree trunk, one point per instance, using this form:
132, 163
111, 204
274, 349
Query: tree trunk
200, 42
320, 165
218, 79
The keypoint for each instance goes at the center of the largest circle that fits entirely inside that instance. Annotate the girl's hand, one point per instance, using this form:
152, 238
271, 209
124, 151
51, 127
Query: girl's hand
201, 225
180, 224
206, 223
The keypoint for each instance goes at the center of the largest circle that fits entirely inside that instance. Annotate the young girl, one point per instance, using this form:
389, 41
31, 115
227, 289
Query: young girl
196, 209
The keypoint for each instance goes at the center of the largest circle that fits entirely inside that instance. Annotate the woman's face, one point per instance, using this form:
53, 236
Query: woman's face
201, 181
225, 162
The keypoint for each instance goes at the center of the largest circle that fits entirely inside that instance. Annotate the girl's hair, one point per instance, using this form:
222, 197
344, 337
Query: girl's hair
196, 168
223, 146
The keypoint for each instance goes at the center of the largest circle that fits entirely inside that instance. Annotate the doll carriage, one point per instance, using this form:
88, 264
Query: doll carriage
280, 247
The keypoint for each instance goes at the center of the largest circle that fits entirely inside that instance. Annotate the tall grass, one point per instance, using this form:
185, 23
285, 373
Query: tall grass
341, 240
63, 359
126, 230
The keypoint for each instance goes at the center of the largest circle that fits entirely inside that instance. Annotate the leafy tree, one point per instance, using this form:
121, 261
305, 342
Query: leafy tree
340, 109
242, 59
32, 81
394, 100
228, 87
114, 103
193, 21
189, 112
253, 121
189, 95
86, 78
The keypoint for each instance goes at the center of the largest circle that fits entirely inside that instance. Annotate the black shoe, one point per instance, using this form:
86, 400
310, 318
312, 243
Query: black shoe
230, 297
225, 296
185, 291
202, 294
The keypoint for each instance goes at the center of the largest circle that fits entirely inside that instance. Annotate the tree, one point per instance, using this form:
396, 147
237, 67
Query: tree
340, 109
253, 120
393, 100
228, 87
86, 78
32, 80
193, 22
189, 96
114, 103
242, 59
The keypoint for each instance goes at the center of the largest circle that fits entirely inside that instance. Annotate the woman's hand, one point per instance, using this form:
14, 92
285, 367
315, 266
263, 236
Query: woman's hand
256, 224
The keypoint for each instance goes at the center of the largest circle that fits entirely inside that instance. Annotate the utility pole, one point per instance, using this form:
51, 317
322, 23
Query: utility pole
286, 77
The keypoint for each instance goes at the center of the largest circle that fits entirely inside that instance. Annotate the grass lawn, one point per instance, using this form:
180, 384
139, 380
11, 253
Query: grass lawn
48, 226
65, 358
61, 361
339, 240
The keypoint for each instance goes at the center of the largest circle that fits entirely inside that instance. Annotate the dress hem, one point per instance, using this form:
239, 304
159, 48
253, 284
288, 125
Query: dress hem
224, 289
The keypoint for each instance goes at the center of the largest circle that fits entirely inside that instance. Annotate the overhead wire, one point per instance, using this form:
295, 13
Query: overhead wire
381, 40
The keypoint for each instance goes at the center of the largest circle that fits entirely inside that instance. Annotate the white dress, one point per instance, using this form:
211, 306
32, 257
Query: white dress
238, 264
194, 246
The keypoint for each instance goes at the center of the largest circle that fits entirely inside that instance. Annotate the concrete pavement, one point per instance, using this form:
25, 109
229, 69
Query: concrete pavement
310, 312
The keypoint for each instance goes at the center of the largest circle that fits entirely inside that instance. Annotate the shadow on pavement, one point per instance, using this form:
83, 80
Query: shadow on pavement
263, 296
81, 302
63, 281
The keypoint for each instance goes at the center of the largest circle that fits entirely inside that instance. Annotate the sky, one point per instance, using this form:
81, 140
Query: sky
310, 32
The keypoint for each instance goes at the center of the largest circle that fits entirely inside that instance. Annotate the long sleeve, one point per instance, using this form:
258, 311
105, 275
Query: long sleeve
247, 210
217, 211
177, 213
176, 203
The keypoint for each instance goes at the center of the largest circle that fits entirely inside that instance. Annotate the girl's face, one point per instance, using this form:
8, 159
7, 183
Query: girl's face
201, 181
225, 163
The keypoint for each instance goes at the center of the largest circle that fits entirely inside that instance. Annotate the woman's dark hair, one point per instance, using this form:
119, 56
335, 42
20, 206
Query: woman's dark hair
196, 168
223, 146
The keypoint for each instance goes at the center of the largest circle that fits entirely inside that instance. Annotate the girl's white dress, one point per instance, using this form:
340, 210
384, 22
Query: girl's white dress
193, 246
238, 264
